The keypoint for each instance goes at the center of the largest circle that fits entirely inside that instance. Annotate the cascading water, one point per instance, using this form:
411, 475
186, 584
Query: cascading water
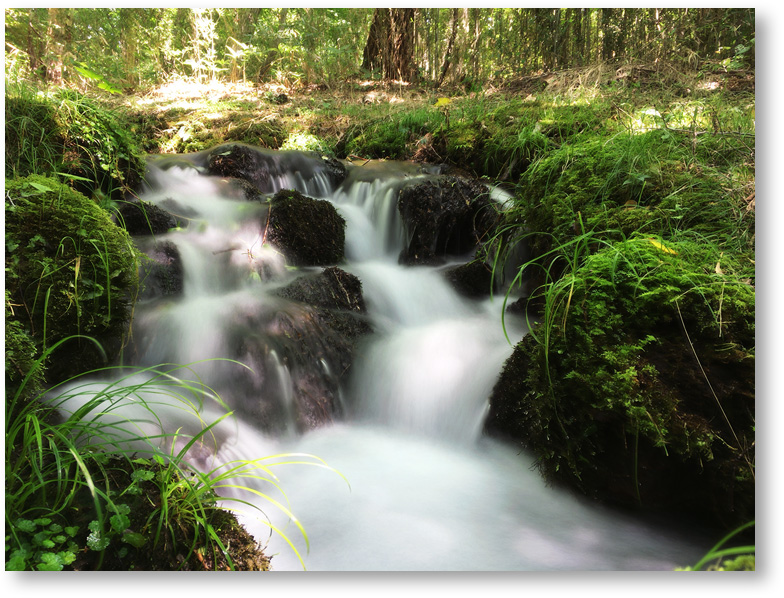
425, 490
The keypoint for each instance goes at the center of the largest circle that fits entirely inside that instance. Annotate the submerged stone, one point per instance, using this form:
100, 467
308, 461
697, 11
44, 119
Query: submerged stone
320, 346
162, 273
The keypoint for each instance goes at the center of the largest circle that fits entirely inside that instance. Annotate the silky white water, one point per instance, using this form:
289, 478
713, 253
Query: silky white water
419, 487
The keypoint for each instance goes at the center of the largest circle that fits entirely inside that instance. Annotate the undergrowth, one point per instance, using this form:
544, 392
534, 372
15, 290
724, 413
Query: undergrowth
95, 481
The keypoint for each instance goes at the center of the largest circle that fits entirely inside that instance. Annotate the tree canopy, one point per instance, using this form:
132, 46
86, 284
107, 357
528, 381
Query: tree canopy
131, 48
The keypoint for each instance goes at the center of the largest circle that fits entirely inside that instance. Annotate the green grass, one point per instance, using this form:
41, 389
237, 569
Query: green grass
61, 457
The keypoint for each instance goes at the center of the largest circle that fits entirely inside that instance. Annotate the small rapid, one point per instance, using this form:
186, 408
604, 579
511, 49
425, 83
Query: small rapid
419, 487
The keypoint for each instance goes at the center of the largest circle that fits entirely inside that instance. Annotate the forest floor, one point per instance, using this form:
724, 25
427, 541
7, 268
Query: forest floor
185, 116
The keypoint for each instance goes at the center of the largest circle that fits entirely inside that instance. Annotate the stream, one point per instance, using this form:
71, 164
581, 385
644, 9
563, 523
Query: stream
419, 486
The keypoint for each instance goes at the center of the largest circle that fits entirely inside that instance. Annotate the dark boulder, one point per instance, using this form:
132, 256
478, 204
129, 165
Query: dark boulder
144, 218
267, 170
161, 273
472, 279
446, 215
333, 289
300, 351
309, 232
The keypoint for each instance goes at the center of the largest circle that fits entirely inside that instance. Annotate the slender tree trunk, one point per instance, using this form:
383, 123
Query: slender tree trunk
59, 36
450, 46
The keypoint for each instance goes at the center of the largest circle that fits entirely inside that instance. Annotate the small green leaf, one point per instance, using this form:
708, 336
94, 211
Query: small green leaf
25, 525
40, 187
134, 539
119, 522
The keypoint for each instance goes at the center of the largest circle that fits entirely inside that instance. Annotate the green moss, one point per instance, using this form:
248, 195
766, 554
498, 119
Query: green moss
23, 374
630, 183
639, 382
72, 134
69, 270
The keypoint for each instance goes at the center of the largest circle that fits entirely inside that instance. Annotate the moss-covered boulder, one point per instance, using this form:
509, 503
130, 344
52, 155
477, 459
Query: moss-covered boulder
24, 378
69, 271
445, 215
637, 387
309, 232
646, 183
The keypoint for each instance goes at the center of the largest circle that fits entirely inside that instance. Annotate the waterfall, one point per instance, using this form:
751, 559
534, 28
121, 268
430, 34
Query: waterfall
425, 490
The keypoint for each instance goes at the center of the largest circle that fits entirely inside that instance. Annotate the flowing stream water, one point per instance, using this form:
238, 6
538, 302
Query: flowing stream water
420, 488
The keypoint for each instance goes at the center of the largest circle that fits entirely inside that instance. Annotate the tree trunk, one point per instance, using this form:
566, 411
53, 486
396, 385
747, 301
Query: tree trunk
450, 46
373, 57
59, 36
390, 43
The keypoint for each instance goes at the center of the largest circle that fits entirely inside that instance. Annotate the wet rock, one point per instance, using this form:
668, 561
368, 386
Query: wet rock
161, 273
309, 232
473, 279
319, 346
299, 345
144, 218
335, 170
246, 189
447, 215
243, 162
268, 170
333, 289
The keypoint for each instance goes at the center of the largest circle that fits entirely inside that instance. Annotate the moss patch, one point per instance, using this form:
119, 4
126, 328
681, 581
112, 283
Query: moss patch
69, 271
638, 386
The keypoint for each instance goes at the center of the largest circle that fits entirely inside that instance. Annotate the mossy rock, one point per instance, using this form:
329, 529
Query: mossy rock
638, 387
23, 372
309, 232
267, 133
33, 140
70, 271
